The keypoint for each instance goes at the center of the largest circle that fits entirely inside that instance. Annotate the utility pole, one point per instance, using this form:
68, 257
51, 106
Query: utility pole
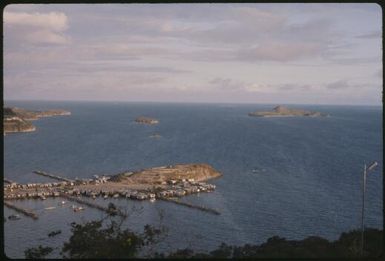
366, 170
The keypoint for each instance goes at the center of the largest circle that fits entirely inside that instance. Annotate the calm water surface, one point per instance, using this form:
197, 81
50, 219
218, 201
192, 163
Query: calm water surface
292, 177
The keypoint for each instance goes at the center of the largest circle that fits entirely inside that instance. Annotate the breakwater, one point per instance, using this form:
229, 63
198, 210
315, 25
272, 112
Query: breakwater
26, 212
94, 205
45, 174
202, 208
8, 181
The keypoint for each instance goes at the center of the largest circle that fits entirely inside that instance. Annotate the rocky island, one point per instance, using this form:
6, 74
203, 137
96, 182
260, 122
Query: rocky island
281, 111
18, 120
146, 120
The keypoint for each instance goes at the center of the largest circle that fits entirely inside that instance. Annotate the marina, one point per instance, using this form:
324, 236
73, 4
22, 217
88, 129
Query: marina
107, 187
92, 205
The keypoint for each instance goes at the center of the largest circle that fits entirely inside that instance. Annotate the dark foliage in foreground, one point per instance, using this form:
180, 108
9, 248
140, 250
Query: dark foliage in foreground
37, 252
93, 240
347, 246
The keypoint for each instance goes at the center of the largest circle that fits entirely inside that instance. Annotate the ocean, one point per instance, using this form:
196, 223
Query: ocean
292, 177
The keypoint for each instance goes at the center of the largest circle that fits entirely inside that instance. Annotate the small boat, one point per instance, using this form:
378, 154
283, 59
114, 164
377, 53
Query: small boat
42, 197
49, 208
14, 217
78, 209
105, 197
152, 200
62, 203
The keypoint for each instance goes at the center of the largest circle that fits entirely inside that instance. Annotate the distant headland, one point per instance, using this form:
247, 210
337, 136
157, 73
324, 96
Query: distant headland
281, 111
18, 120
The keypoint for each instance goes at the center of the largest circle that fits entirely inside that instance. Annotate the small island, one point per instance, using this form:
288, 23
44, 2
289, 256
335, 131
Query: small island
146, 120
18, 120
281, 111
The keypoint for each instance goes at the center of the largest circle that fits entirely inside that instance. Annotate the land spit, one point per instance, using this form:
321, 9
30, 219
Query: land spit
154, 183
19, 120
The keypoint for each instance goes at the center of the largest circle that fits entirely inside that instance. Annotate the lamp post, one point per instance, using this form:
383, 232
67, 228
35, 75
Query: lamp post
366, 170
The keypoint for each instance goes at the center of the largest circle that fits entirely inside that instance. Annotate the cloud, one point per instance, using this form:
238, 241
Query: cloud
294, 87
35, 28
344, 85
52, 21
379, 73
227, 84
372, 35
337, 85
281, 52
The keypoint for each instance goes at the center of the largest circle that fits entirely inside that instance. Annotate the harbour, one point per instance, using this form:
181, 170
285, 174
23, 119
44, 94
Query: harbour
107, 187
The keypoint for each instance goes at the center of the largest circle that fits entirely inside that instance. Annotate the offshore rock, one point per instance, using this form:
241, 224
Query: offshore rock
282, 111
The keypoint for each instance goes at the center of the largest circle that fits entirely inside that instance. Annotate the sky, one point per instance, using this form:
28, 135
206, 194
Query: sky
225, 53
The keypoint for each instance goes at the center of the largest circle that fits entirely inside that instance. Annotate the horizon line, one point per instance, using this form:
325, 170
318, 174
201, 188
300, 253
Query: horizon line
187, 102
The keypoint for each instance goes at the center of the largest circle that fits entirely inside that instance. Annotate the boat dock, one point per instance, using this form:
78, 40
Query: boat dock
92, 204
206, 209
45, 174
26, 212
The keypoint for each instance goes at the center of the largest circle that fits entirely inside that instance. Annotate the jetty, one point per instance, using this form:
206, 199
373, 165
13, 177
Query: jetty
202, 208
45, 174
26, 212
8, 181
93, 205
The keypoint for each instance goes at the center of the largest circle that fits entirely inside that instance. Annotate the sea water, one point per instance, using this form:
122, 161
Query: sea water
293, 177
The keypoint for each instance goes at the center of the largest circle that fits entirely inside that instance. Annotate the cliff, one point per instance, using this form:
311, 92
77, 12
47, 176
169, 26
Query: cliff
18, 120
281, 111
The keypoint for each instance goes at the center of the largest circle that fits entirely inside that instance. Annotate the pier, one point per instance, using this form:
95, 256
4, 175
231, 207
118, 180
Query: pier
45, 174
8, 181
92, 205
26, 212
206, 209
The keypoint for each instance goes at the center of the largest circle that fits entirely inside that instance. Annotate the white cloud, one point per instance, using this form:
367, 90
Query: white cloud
35, 27
53, 21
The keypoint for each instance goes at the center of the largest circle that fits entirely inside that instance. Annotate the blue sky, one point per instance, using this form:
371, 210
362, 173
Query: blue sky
237, 53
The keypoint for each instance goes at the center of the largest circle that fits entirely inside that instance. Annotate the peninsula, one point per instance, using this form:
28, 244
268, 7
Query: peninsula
281, 111
159, 182
18, 120
146, 120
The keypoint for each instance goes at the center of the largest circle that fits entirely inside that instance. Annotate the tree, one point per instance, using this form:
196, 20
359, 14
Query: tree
37, 252
92, 240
